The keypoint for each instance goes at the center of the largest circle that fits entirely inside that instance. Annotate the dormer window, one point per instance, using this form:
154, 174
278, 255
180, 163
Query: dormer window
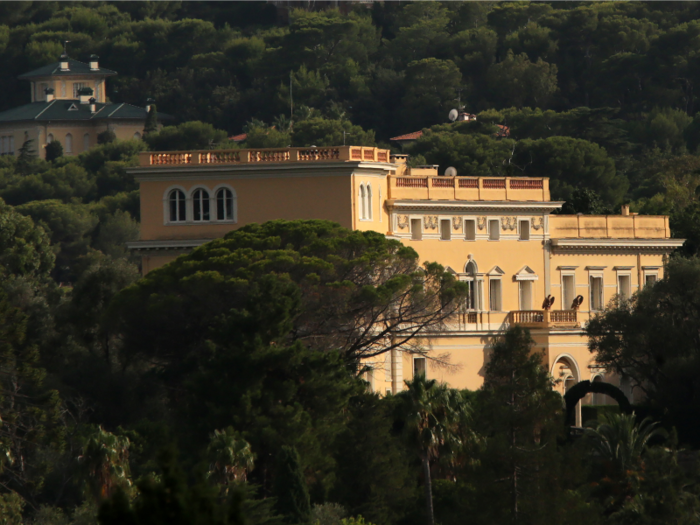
73, 107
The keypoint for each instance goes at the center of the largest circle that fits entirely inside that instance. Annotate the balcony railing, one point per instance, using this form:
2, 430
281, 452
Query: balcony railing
545, 318
264, 156
434, 187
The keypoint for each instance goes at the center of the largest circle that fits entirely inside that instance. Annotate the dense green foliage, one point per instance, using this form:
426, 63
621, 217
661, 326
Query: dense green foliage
246, 353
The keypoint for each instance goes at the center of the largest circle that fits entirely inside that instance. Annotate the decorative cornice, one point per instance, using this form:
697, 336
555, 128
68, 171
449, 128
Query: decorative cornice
259, 171
471, 206
574, 245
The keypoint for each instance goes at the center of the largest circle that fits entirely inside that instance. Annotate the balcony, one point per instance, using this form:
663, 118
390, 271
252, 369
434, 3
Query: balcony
264, 156
544, 318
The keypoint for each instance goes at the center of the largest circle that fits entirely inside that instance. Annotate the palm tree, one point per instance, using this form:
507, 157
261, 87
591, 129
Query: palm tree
621, 441
435, 420
230, 458
105, 463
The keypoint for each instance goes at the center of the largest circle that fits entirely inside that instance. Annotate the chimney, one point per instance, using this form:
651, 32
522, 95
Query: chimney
93, 63
625, 210
149, 103
85, 95
64, 63
93, 107
48, 94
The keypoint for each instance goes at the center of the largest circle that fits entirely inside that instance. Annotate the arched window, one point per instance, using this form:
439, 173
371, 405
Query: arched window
363, 205
473, 296
176, 201
369, 203
137, 136
86, 142
49, 138
200, 205
224, 205
69, 143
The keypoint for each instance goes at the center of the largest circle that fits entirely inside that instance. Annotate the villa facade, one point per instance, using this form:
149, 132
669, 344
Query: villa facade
69, 104
498, 234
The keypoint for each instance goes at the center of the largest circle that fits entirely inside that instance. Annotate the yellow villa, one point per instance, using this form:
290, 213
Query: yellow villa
498, 234
69, 104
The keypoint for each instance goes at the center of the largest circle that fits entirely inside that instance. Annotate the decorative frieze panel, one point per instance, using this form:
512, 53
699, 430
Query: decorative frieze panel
509, 223
430, 222
456, 223
402, 222
481, 223
537, 223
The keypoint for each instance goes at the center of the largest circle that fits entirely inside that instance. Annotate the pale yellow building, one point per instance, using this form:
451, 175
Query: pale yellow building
68, 104
498, 234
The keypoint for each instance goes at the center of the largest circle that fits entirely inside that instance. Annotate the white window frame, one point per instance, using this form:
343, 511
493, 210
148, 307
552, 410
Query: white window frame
214, 212
497, 230
521, 231
449, 229
369, 215
566, 304
522, 284
425, 366
191, 201
650, 271
473, 222
495, 302
620, 277
166, 206
475, 282
416, 236
361, 198
592, 304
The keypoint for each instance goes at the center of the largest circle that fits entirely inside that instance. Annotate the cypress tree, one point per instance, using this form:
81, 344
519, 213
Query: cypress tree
54, 150
290, 488
151, 125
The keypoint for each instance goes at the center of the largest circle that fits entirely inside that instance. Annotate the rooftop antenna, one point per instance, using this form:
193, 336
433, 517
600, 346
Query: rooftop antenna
460, 107
291, 101
65, 47
346, 133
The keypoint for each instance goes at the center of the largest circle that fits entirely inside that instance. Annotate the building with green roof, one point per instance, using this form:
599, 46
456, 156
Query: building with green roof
69, 104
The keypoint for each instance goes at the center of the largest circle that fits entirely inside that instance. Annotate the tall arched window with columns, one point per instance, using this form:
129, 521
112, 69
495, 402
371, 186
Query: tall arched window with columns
363, 203
369, 202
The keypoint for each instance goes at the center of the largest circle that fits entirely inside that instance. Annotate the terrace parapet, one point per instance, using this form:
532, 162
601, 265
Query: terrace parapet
264, 156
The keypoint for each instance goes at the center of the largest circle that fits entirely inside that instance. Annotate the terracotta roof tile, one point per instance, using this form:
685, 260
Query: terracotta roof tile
409, 136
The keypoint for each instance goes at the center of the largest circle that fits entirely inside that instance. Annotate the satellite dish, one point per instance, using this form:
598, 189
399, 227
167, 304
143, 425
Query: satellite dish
453, 115
451, 172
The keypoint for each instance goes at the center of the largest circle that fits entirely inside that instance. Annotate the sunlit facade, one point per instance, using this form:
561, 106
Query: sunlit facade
498, 234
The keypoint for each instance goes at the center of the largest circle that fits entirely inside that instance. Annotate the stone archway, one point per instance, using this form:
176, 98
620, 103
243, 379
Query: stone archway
583, 388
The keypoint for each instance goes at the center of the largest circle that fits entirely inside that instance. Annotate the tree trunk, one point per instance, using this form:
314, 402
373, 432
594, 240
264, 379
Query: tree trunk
428, 490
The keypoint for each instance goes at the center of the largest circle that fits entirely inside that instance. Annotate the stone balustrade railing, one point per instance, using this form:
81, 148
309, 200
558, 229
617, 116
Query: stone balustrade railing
264, 156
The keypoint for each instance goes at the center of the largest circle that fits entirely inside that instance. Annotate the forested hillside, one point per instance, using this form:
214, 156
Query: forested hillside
222, 389
597, 96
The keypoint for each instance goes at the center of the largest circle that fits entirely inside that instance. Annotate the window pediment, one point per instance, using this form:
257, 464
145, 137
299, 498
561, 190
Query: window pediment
496, 271
525, 274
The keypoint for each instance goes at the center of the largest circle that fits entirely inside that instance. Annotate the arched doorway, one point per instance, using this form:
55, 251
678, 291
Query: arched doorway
566, 376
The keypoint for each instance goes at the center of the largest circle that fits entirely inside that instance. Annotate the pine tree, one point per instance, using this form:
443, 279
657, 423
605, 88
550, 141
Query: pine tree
290, 488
